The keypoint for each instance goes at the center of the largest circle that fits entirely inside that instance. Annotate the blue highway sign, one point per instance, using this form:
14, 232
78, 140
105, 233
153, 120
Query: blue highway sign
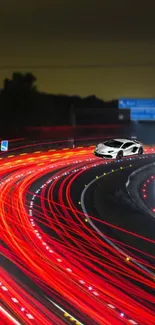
4, 145
136, 103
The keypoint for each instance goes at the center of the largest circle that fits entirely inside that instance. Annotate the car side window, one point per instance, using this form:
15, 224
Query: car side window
127, 145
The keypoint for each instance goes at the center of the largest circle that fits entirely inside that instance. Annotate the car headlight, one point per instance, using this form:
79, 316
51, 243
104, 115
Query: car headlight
110, 151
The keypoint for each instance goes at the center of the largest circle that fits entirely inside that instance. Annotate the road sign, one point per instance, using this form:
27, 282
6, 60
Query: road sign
4, 145
136, 103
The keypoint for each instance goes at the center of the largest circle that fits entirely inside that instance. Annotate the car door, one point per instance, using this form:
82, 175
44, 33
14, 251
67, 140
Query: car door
127, 148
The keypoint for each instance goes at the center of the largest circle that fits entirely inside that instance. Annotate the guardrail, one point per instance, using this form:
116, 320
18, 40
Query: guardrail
132, 186
26, 145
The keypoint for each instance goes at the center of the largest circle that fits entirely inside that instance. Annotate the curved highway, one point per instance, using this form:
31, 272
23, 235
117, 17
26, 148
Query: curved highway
59, 258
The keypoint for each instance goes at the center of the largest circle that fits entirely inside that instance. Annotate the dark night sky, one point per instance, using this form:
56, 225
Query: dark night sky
117, 35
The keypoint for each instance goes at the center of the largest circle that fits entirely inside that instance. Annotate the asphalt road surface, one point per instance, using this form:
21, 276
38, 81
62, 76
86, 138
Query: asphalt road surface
55, 267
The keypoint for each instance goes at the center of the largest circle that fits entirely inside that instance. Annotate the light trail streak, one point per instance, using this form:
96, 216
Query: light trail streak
110, 242
8, 316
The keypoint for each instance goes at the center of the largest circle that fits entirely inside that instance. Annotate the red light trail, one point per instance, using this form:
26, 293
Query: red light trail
43, 233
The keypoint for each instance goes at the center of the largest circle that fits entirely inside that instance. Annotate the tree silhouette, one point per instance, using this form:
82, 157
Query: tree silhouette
21, 83
18, 95
22, 105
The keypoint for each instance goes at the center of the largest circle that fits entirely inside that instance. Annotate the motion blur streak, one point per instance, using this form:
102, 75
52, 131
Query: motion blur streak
6, 317
43, 232
22, 304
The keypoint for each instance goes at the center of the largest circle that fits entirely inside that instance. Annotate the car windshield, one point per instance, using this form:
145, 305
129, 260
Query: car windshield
113, 143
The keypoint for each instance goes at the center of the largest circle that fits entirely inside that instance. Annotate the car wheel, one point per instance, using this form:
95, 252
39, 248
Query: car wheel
119, 155
140, 151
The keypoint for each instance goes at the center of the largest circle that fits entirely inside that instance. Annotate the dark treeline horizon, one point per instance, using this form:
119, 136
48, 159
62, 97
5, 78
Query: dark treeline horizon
22, 105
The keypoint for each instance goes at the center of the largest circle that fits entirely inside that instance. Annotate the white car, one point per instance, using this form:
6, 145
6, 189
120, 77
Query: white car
118, 148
